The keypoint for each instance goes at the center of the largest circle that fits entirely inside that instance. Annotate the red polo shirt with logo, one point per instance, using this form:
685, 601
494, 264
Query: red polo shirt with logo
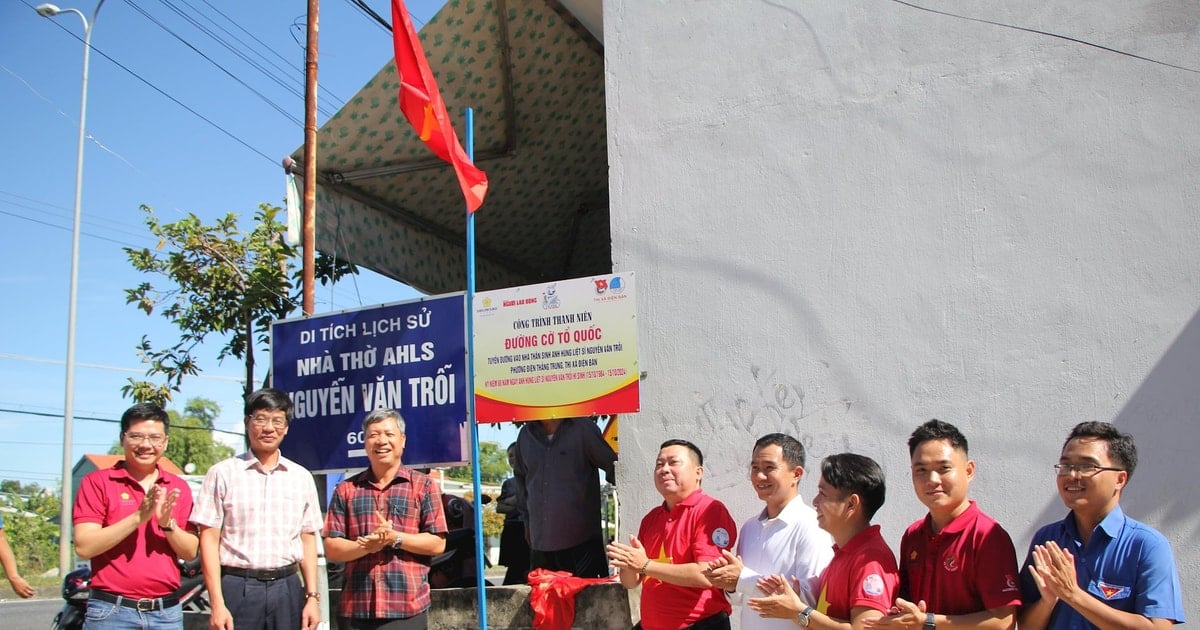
863, 573
143, 564
967, 567
695, 530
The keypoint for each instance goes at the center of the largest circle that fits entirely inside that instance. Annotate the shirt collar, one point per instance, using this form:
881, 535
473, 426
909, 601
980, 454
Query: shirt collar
367, 477
1111, 524
958, 524
252, 462
691, 500
791, 513
120, 471
860, 539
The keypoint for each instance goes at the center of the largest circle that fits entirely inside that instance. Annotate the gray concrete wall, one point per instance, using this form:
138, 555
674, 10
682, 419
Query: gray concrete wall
850, 217
597, 607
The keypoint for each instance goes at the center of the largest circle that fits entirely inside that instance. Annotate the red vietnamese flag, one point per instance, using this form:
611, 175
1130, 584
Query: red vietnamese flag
422, 104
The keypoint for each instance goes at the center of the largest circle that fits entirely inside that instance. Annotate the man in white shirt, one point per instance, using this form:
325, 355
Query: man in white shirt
783, 539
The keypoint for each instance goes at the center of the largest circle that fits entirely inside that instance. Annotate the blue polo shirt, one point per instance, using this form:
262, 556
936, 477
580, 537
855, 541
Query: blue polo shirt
1126, 564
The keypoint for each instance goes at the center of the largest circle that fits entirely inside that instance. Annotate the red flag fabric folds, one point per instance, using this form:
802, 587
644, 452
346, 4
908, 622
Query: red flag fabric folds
422, 104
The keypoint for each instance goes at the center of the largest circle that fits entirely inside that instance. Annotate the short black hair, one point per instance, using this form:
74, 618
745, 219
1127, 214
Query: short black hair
856, 474
142, 412
937, 430
1121, 448
793, 450
699, 457
270, 399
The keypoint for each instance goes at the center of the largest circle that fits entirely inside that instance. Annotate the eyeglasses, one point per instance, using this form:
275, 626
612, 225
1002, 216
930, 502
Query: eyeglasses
155, 439
262, 421
1083, 470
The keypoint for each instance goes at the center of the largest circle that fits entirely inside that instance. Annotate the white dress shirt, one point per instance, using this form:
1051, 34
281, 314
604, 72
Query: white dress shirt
791, 544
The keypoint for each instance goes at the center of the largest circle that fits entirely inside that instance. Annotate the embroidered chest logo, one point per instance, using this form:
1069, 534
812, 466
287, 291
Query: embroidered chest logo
950, 563
1112, 591
124, 496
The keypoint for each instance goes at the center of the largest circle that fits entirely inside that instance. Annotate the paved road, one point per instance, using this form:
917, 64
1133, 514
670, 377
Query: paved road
28, 614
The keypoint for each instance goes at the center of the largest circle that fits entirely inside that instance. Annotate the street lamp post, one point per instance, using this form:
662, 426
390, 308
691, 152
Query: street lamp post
64, 532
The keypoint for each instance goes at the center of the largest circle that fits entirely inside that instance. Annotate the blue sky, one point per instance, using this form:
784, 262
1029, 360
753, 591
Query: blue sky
145, 149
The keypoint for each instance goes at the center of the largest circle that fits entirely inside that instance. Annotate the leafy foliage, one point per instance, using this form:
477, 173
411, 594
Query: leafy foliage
493, 521
31, 533
220, 281
493, 469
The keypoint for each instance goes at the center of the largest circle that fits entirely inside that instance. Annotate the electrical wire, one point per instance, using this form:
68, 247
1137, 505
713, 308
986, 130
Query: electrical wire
220, 67
1046, 33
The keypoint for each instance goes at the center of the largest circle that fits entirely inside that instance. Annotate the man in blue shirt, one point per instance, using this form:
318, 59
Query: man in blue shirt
1097, 567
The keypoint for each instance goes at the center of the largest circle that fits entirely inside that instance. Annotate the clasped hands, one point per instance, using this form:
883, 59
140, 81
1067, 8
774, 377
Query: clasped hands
383, 535
158, 504
779, 600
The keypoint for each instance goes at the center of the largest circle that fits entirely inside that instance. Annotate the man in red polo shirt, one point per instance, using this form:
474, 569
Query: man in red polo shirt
674, 544
958, 567
860, 582
131, 522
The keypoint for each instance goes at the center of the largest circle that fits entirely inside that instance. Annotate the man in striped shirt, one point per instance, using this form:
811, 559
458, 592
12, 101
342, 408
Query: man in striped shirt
259, 517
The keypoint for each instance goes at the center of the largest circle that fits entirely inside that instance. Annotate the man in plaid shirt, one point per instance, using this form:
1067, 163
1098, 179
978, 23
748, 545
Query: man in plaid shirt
385, 523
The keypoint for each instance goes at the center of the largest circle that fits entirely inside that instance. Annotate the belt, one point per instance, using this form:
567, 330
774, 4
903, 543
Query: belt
144, 604
262, 575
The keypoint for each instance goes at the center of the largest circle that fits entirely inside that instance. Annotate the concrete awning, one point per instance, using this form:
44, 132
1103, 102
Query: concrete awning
536, 82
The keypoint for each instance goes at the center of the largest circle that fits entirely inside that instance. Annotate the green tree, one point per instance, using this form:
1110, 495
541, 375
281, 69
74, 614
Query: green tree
31, 528
494, 465
192, 437
220, 281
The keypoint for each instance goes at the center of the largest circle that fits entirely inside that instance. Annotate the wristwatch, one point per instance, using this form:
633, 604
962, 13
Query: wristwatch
170, 526
802, 618
399, 538
930, 622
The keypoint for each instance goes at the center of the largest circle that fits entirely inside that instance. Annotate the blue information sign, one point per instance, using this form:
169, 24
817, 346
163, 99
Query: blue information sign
407, 356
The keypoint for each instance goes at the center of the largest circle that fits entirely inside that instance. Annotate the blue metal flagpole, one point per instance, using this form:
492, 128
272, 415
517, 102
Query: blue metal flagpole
480, 578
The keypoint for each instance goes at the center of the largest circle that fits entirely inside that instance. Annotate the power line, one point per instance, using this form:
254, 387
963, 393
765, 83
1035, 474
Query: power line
286, 85
370, 13
59, 212
230, 74
114, 368
64, 227
298, 69
109, 420
154, 87
1046, 33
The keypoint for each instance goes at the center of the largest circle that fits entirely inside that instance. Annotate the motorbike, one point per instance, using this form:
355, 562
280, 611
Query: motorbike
77, 585
455, 567
75, 595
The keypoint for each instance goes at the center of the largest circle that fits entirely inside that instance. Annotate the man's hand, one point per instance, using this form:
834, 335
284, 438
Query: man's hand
382, 536
1053, 571
632, 556
723, 572
20, 586
150, 503
220, 619
904, 615
782, 602
164, 505
311, 616
383, 525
